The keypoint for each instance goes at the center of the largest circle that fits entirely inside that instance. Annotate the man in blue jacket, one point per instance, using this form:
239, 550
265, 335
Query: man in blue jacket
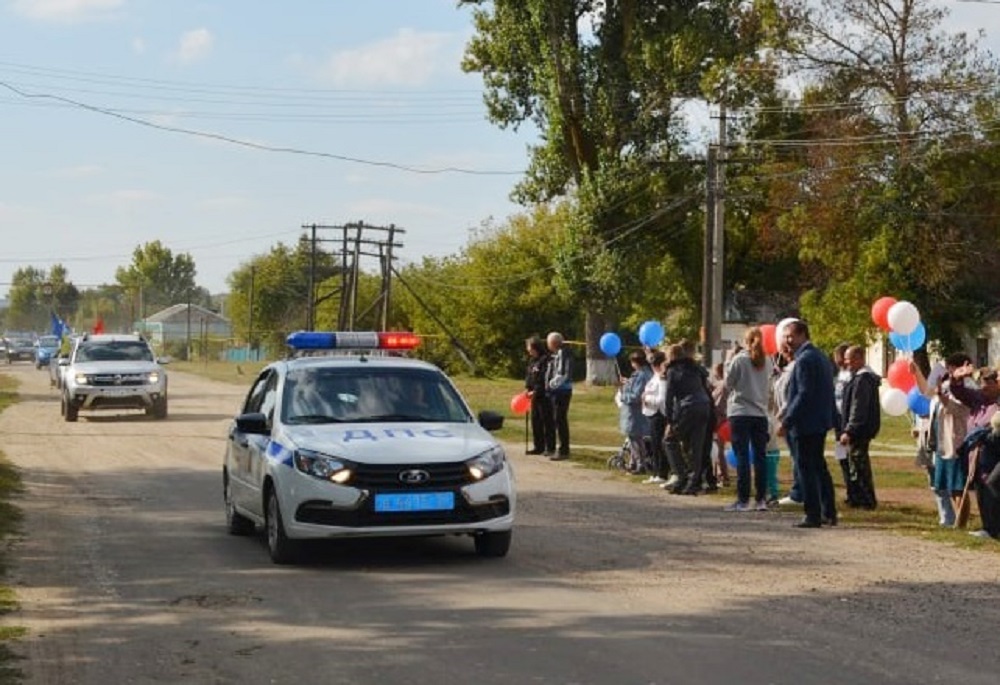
808, 417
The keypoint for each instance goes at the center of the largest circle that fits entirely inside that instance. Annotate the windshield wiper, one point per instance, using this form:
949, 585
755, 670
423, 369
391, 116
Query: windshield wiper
313, 418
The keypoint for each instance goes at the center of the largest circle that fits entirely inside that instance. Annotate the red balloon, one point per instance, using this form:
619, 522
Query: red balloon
768, 332
725, 433
520, 403
900, 376
880, 312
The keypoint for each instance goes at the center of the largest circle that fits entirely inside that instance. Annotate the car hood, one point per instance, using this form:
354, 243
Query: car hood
392, 443
115, 367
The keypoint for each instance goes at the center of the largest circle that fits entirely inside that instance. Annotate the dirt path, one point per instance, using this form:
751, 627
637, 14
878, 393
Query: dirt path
126, 575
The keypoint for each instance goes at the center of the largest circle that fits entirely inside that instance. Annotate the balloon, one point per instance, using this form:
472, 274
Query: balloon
900, 376
880, 311
731, 458
779, 331
894, 402
651, 333
520, 403
917, 402
724, 431
768, 334
611, 344
903, 317
911, 342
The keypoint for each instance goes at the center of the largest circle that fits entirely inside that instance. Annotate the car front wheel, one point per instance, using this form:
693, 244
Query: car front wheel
493, 544
70, 410
236, 523
279, 546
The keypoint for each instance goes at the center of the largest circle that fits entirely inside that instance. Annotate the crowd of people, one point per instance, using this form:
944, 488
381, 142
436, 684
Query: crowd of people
672, 411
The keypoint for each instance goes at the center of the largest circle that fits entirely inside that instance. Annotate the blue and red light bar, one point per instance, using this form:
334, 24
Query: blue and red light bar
351, 340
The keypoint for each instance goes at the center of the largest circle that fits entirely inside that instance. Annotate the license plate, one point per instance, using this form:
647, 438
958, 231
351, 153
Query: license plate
415, 501
115, 392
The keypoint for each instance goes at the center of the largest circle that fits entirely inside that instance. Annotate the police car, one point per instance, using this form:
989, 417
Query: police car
363, 442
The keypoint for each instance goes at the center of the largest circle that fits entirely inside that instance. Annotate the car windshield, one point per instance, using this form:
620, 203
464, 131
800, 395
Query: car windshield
21, 342
330, 395
114, 351
48, 341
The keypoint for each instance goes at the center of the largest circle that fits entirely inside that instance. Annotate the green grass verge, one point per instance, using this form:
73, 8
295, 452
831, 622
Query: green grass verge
10, 520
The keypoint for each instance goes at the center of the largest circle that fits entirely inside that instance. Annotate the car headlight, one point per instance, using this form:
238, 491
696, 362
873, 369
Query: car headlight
324, 467
81, 379
154, 377
486, 464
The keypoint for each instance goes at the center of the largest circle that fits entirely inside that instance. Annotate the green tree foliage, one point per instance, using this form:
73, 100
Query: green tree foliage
35, 294
602, 81
492, 296
890, 117
158, 278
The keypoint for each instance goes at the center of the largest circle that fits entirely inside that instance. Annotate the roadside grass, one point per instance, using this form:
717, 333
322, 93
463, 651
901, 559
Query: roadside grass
906, 505
10, 519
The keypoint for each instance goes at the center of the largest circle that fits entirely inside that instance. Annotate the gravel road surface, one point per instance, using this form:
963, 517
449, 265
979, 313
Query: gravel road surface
126, 575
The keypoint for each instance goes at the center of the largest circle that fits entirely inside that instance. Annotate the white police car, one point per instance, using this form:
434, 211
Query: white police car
365, 443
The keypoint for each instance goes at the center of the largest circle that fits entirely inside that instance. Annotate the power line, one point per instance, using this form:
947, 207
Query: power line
257, 146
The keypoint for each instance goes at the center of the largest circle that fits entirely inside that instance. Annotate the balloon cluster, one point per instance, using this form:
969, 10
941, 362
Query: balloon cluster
651, 334
901, 320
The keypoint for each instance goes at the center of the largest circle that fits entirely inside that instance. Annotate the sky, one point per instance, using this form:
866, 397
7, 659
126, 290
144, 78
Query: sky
366, 99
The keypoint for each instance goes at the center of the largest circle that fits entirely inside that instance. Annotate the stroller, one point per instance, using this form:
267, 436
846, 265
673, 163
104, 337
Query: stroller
623, 460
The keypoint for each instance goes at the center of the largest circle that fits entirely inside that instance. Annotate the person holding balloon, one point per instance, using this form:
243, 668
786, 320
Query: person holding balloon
543, 425
862, 420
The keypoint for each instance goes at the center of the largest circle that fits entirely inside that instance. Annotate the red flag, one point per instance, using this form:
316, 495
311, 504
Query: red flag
99, 326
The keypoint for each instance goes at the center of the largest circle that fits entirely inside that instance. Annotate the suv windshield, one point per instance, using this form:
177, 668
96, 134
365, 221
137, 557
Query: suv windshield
329, 395
48, 341
114, 351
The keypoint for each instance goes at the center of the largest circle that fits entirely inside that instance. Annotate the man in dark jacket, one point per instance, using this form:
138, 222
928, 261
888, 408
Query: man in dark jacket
808, 417
861, 423
688, 412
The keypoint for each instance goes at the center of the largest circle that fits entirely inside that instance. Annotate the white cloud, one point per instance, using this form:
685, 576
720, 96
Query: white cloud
194, 45
408, 58
80, 171
123, 200
65, 10
225, 202
138, 45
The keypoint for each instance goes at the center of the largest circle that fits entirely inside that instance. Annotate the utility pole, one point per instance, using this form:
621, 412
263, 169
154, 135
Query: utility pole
708, 337
310, 305
719, 241
253, 270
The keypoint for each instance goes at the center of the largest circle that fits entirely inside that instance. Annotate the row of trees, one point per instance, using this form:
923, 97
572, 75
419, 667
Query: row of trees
155, 278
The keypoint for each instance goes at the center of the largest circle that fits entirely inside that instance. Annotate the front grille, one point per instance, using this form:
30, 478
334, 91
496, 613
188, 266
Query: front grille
451, 475
108, 379
322, 513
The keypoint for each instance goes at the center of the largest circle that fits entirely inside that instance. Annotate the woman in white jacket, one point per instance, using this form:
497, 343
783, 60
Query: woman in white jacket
653, 408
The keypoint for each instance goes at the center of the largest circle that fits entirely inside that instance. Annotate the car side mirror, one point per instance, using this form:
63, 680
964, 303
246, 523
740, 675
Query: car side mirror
253, 423
63, 361
490, 420
163, 360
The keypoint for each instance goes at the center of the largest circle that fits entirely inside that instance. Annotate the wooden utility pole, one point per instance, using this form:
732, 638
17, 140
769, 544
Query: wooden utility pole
708, 338
719, 242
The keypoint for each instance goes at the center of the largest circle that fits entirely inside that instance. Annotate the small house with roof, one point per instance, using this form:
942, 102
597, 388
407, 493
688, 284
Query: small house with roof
182, 323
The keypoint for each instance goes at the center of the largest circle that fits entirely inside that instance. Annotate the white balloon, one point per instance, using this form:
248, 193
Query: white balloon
903, 317
894, 402
779, 331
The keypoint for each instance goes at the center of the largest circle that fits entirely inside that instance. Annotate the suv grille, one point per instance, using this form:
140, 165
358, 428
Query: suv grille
321, 513
111, 379
387, 476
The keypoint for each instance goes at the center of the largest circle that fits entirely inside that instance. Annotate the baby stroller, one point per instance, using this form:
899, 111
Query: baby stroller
623, 460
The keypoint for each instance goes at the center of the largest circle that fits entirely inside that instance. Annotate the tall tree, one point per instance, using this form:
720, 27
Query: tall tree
158, 278
603, 81
35, 294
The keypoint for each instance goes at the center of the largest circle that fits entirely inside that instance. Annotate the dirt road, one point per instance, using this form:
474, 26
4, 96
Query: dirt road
126, 575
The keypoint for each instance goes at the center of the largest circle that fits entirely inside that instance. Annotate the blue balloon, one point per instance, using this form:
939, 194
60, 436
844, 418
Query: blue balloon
731, 457
908, 343
611, 344
919, 405
651, 333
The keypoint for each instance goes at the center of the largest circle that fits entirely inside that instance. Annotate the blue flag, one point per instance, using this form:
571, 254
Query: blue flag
58, 327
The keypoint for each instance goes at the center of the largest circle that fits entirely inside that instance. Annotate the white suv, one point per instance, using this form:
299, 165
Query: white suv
364, 445
113, 372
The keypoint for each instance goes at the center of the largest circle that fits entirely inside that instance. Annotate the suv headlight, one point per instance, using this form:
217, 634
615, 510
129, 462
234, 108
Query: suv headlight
323, 466
154, 377
80, 379
486, 464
